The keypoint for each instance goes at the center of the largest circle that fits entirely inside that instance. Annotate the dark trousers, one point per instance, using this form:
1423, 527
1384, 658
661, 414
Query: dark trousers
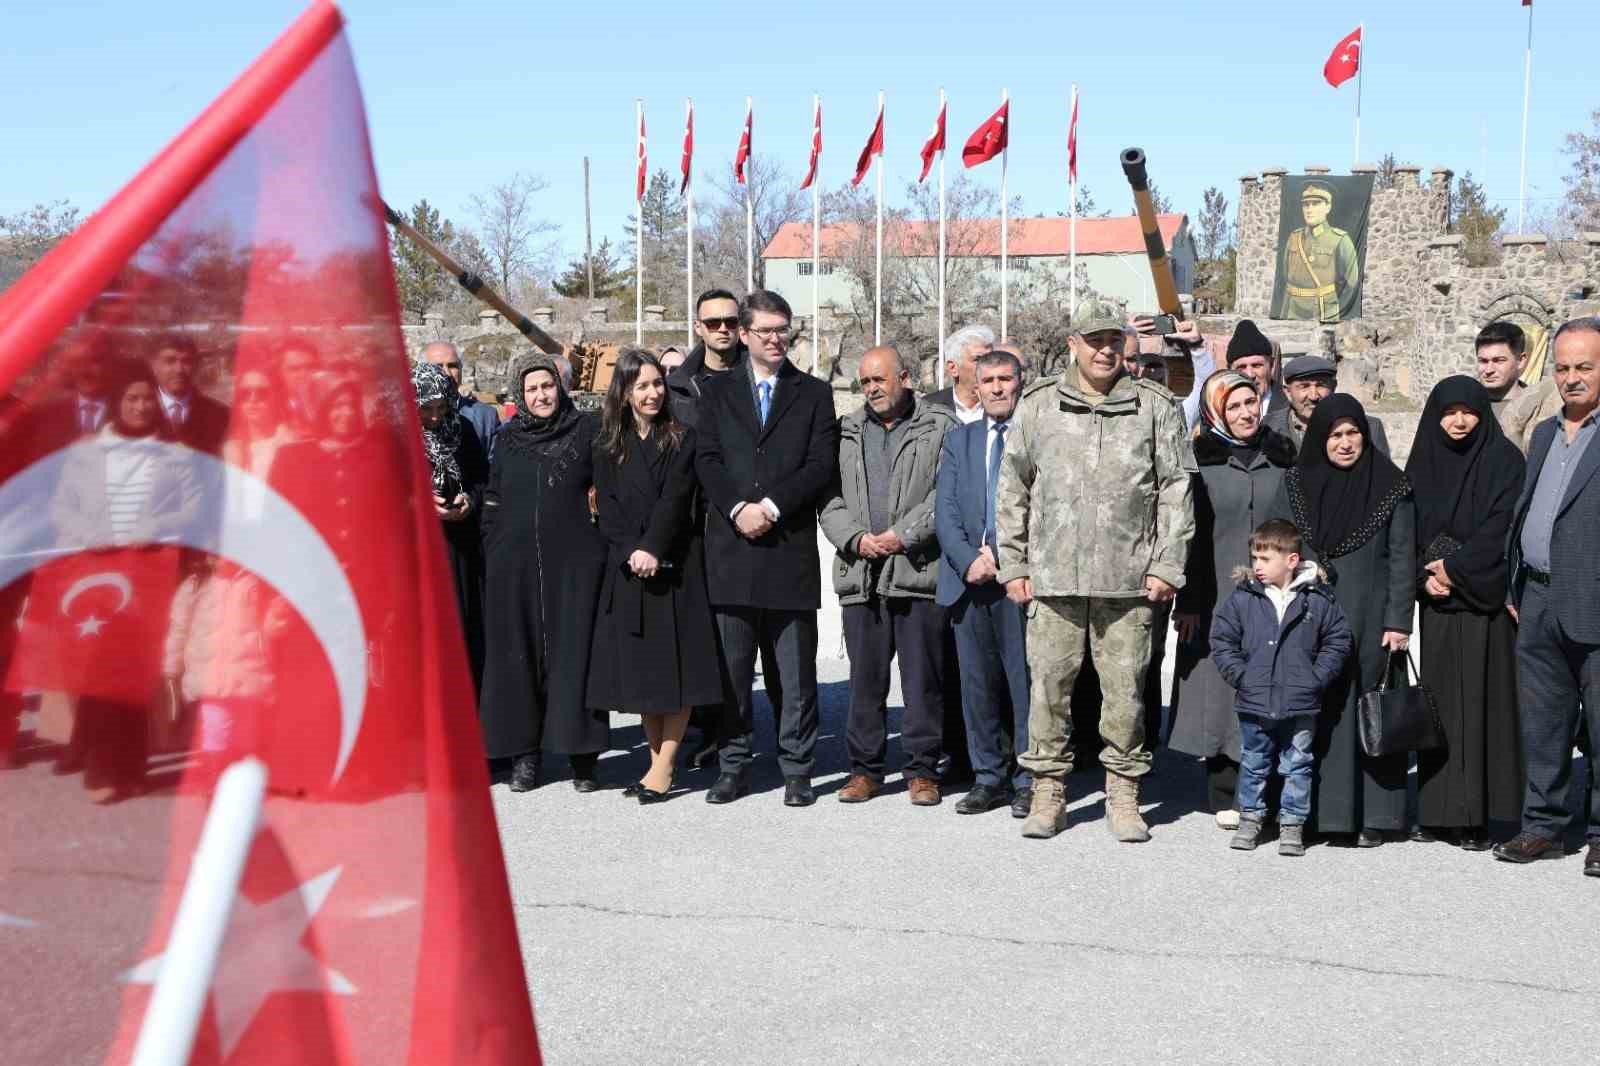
874, 633
793, 636
709, 718
991, 644
1555, 673
1222, 781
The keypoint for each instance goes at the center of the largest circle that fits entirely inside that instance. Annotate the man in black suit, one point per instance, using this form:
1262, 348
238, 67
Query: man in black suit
82, 410
194, 418
1555, 597
768, 445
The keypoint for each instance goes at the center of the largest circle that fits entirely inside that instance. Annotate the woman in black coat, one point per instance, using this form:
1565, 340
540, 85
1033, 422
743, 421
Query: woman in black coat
1241, 464
460, 470
1467, 476
1354, 510
655, 627
545, 561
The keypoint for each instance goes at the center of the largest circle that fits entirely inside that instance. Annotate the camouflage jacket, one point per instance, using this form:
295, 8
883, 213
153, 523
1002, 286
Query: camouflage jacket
1094, 497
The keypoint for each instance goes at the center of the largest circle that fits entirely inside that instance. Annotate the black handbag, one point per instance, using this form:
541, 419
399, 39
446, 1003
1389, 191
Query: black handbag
1399, 717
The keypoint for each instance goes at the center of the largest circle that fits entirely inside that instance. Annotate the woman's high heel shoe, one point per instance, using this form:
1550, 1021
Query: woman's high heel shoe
650, 795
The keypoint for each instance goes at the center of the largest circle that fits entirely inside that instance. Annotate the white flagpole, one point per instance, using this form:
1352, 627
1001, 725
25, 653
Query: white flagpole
877, 286
1527, 86
1005, 216
939, 359
201, 925
1072, 194
638, 240
688, 240
816, 241
749, 207
1361, 69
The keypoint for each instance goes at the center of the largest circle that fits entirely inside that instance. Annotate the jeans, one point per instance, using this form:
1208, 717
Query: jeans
1286, 742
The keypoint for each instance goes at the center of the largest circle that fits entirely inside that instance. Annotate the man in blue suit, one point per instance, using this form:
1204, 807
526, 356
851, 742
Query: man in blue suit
989, 628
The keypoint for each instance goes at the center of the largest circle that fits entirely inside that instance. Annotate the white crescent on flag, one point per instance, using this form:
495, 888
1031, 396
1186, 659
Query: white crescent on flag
246, 522
107, 579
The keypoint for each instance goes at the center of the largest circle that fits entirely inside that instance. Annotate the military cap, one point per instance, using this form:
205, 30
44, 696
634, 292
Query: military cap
1316, 191
1308, 366
1096, 315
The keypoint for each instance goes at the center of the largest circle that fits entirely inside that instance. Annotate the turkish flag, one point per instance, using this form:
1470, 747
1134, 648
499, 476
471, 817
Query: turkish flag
638, 192
989, 139
742, 156
287, 581
687, 165
934, 145
1345, 59
816, 145
874, 146
1072, 140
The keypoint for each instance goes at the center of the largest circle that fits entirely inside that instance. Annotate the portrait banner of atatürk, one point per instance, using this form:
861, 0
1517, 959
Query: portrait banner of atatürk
1322, 247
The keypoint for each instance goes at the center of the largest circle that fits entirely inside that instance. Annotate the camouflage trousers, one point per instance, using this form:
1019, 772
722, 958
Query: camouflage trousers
1117, 634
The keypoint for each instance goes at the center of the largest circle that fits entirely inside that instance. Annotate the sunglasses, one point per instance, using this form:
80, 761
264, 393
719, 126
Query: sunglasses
719, 324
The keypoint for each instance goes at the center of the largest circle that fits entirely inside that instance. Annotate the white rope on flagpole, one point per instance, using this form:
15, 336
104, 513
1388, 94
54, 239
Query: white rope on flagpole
1072, 195
877, 285
688, 239
939, 359
1005, 218
816, 240
638, 239
1361, 69
1527, 87
200, 927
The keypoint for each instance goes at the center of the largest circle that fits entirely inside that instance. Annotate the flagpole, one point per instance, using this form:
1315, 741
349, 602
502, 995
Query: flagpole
749, 207
877, 286
1072, 194
1527, 86
939, 359
816, 241
1005, 216
638, 239
200, 927
688, 240
1361, 70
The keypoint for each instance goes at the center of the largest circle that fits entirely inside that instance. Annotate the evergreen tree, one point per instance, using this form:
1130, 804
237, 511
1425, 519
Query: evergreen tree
422, 285
1476, 221
611, 277
664, 237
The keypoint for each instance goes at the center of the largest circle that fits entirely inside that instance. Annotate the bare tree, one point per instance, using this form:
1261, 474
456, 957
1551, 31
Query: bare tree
1581, 209
720, 222
27, 235
518, 244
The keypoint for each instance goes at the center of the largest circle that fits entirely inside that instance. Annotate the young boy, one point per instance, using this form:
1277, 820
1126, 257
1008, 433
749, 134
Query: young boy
1279, 639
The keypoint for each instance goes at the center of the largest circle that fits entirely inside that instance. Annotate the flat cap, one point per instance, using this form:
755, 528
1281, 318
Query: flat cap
1308, 366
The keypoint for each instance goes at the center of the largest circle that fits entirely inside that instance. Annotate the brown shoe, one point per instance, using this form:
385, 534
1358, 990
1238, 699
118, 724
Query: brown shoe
1527, 847
859, 789
924, 791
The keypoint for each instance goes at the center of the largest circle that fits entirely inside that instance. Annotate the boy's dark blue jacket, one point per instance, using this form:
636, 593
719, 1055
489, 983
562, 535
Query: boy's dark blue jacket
1279, 671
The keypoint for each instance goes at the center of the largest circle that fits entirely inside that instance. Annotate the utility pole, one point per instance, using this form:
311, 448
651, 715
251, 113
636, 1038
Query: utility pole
588, 231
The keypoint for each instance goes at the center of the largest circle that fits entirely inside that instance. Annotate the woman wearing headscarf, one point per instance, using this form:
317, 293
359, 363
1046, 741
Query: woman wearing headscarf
459, 470
545, 563
1241, 464
1354, 510
1467, 476
654, 613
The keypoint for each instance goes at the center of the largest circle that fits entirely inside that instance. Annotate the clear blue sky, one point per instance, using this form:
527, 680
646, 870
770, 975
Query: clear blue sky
461, 96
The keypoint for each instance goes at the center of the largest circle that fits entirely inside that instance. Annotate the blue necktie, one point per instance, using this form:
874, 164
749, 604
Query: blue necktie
764, 400
997, 451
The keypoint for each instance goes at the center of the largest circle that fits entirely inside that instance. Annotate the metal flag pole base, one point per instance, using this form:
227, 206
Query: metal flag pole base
173, 1017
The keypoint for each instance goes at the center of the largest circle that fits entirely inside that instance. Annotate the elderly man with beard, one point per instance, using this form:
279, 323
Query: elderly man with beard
880, 518
1093, 518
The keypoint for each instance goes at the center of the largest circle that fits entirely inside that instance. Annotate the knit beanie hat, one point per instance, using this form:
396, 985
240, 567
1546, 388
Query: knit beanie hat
1248, 340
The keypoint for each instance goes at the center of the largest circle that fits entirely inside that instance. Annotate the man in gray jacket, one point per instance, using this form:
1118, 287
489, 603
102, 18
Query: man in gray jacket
880, 518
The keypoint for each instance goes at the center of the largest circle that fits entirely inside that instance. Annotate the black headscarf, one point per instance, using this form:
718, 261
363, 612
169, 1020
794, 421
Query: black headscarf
527, 432
1340, 510
1465, 491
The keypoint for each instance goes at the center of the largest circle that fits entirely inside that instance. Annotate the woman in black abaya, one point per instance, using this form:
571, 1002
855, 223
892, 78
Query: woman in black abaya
1467, 477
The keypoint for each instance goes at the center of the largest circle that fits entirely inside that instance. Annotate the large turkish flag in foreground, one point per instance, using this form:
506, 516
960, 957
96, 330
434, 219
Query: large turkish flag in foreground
255, 570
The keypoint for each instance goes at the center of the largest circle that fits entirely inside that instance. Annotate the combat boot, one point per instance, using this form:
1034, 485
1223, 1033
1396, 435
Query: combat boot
1291, 840
1248, 835
1122, 809
1047, 815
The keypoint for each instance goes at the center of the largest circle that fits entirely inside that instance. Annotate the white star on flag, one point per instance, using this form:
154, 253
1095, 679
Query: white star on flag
262, 955
90, 627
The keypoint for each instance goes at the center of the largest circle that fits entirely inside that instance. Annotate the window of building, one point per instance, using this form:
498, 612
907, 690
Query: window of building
827, 268
804, 268
1021, 262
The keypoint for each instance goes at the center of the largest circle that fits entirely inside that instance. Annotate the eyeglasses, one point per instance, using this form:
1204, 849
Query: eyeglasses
772, 333
720, 324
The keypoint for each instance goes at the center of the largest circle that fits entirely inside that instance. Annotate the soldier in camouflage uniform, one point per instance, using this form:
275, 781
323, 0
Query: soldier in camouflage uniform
1093, 517
1318, 264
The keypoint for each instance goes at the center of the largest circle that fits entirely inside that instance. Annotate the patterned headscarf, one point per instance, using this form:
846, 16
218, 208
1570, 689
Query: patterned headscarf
431, 384
1214, 395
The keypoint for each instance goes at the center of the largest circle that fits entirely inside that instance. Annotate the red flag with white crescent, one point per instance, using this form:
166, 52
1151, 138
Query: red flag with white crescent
873, 147
1072, 140
742, 156
638, 190
687, 165
217, 533
989, 139
934, 145
1345, 59
816, 145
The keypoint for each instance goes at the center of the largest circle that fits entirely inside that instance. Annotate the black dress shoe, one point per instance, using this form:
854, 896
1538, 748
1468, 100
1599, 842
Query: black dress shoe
632, 790
1474, 838
1421, 834
981, 799
1369, 838
585, 784
727, 788
1021, 802
525, 775
1528, 847
797, 791
1591, 861
650, 795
